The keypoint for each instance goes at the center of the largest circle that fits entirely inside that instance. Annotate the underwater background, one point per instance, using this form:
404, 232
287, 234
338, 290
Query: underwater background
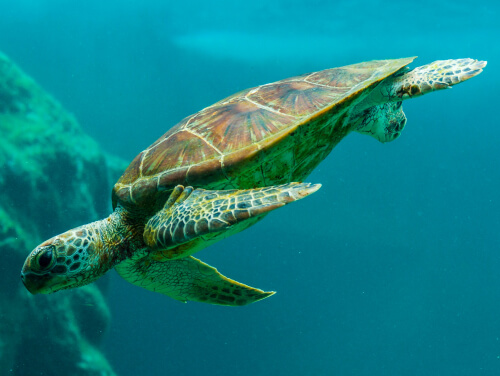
392, 268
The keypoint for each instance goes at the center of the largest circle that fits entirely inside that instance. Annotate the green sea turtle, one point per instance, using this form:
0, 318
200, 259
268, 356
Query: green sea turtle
242, 155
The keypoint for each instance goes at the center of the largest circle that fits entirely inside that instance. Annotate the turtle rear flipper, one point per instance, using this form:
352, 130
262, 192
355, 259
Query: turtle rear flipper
188, 279
441, 74
200, 215
406, 84
384, 122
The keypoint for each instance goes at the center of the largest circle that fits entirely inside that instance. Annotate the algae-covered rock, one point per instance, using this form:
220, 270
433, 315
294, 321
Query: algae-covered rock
52, 177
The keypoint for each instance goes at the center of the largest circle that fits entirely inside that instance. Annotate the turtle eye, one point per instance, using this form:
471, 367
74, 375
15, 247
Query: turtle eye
45, 259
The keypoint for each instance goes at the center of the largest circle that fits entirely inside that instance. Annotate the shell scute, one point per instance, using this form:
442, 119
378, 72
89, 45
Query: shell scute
341, 79
142, 189
234, 125
172, 178
294, 98
133, 170
205, 173
178, 150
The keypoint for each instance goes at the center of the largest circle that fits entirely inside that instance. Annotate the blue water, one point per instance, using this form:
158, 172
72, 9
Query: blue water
392, 268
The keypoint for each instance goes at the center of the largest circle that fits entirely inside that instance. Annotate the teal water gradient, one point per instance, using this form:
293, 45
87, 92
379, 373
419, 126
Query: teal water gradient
392, 268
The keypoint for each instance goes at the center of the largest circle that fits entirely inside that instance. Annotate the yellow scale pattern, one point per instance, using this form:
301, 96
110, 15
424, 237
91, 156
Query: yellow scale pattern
189, 214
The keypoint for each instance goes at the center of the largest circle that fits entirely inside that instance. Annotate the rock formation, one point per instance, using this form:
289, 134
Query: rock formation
52, 177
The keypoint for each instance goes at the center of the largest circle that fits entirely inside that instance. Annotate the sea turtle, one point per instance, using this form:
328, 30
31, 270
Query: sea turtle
238, 159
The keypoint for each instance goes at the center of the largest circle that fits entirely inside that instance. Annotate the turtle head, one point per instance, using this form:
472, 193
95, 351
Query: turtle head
65, 261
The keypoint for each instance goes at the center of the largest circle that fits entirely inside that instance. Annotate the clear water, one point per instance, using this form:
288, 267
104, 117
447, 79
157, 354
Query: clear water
392, 268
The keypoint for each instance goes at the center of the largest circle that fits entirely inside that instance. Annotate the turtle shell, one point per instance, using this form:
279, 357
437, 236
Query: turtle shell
270, 134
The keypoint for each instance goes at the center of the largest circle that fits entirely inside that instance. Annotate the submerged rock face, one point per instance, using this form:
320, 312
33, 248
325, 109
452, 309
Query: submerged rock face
52, 177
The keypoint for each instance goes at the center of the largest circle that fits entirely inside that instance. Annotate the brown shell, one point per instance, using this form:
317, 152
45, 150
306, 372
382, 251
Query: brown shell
271, 134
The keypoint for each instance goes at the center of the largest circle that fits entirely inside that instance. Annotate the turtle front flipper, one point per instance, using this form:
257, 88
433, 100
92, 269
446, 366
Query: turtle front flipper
200, 215
188, 279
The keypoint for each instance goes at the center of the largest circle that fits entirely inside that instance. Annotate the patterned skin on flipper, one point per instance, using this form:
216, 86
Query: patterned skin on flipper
406, 84
192, 214
188, 279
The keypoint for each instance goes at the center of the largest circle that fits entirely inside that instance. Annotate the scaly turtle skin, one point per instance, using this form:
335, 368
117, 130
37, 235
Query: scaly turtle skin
238, 160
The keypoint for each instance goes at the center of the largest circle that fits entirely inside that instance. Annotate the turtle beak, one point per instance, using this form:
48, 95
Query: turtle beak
34, 283
42, 283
